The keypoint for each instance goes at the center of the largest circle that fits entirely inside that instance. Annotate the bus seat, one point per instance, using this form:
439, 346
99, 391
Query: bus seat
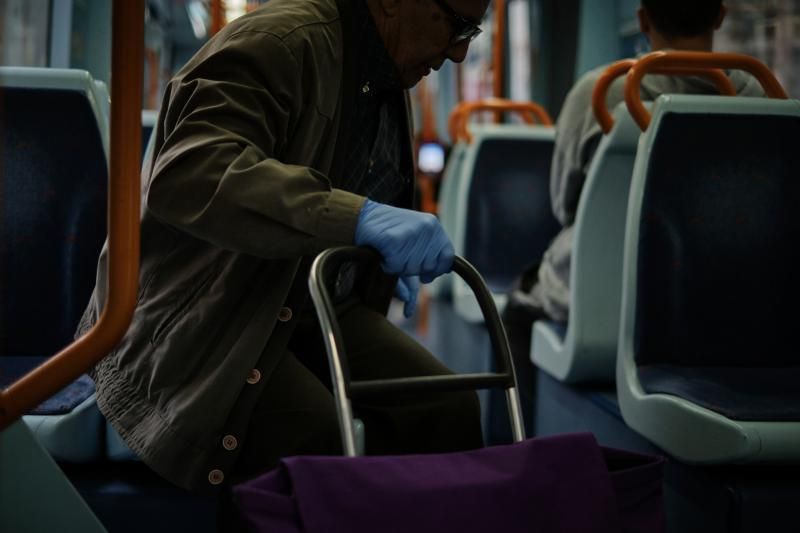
116, 448
588, 350
35, 496
102, 103
68, 425
54, 182
708, 367
502, 220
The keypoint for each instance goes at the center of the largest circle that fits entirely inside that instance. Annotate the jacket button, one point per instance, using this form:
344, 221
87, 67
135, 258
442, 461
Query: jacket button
215, 477
229, 442
285, 314
254, 377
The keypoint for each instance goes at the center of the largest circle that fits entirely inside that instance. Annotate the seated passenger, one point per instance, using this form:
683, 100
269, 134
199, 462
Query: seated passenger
286, 134
543, 291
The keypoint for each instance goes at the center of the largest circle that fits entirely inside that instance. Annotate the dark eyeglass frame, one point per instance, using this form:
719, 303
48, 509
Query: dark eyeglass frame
463, 28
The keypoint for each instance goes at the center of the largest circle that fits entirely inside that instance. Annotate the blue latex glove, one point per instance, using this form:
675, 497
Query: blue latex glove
411, 243
407, 289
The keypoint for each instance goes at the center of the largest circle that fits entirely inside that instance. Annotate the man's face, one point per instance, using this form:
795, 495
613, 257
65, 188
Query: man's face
431, 32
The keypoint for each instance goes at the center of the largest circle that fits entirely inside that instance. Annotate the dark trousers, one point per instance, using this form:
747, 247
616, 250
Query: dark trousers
518, 322
518, 319
296, 414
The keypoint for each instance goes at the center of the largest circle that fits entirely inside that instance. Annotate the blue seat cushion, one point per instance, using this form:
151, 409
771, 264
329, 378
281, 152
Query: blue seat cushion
747, 394
69, 425
52, 216
717, 254
509, 219
63, 402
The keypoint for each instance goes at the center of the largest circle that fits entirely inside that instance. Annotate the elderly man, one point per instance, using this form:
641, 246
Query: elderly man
287, 133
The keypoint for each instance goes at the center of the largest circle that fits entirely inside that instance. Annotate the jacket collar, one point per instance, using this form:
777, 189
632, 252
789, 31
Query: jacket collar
376, 69
347, 95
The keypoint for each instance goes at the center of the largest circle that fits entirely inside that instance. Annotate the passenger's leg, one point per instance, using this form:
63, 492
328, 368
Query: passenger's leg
518, 322
408, 423
295, 415
518, 318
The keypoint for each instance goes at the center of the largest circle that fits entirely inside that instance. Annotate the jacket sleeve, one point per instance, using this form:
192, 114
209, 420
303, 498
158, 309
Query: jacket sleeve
218, 174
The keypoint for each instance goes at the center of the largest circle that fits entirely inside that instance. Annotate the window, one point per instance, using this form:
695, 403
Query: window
768, 30
24, 27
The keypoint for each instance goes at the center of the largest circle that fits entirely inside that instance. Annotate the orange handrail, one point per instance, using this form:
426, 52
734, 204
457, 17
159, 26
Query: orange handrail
453, 120
530, 112
123, 226
614, 71
658, 60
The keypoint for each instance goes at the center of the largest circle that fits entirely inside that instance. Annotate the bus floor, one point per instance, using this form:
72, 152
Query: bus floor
128, 497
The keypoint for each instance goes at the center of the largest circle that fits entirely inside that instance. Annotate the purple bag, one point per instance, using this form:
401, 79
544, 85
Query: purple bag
565, 483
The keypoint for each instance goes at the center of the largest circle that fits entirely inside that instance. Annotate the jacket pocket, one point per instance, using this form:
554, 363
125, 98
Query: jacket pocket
183, 305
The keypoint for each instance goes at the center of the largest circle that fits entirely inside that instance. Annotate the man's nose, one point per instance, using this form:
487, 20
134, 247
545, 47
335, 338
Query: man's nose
458, 51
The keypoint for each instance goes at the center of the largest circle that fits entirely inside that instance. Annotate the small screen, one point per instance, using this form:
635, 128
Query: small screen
431, 158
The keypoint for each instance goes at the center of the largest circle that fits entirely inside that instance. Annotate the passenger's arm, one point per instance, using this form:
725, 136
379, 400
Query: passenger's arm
219, 176
577, 137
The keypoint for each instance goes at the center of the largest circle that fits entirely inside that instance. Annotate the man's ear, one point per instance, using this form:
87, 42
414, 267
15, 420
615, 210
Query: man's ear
644, 20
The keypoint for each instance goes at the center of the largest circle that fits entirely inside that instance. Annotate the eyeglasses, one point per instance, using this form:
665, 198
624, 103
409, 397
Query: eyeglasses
463, 28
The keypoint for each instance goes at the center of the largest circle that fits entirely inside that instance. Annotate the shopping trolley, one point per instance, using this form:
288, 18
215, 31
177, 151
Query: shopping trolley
565, 483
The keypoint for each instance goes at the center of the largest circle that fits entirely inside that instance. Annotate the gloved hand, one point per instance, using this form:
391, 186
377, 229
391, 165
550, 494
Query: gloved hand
407, 289
411, 243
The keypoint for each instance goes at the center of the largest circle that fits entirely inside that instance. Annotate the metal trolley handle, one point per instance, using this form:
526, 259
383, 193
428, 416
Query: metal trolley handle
323, 273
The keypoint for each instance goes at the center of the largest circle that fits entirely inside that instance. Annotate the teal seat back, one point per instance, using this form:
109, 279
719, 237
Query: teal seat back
54, 183
718, 232
596, 267
588, 351
503, 218
707, 365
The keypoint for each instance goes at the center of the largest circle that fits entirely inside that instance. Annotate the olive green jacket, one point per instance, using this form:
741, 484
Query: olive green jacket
249, 147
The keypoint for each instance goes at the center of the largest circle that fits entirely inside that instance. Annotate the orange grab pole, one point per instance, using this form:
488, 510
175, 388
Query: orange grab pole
123, 226
694, 60
529, 111
217, 16
427, 195
498, 49
614, 71
428, 116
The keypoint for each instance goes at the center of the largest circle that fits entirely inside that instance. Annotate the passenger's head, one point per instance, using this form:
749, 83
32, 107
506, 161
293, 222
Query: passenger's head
681, 24
420, 35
